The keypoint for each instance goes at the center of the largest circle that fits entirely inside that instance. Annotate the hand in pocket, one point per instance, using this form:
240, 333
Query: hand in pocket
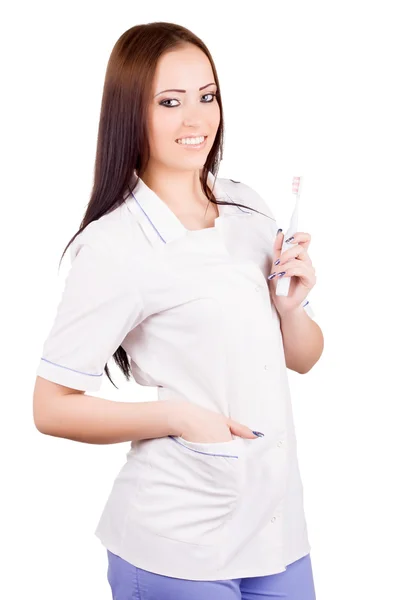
197, 424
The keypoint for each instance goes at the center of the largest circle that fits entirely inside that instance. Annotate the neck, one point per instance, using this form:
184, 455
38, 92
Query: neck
177, 188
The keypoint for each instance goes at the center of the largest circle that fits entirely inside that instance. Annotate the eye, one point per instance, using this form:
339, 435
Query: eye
162, 103
212, 97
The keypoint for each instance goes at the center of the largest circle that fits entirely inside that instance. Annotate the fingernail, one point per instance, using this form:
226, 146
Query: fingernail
281, 273
258, 433
277, 261
279, 230
289, 239
271, 276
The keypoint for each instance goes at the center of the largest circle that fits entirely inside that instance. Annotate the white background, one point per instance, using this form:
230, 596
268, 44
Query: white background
309, 88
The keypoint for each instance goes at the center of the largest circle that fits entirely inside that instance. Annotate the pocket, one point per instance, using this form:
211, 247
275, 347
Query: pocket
191, 489
215, 449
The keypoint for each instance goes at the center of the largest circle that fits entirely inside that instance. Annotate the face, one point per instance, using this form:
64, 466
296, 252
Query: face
188, 112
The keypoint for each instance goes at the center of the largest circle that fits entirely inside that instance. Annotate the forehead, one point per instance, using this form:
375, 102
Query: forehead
186, 68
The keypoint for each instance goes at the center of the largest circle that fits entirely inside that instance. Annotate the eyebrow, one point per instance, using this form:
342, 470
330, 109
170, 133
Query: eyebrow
184, 91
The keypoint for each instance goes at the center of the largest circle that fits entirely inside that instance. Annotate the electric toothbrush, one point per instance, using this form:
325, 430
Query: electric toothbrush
283, 284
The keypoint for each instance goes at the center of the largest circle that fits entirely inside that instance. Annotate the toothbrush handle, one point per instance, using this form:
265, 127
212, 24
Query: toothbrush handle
283, 284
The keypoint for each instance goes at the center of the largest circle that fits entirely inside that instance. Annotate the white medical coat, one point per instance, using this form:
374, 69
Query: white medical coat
192, 309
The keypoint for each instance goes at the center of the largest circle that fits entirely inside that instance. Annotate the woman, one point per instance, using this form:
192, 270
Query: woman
172, 275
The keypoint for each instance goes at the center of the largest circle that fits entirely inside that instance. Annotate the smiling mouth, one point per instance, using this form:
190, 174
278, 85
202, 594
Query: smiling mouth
191, 145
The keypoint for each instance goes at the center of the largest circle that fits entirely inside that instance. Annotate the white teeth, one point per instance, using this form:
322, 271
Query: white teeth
193, 141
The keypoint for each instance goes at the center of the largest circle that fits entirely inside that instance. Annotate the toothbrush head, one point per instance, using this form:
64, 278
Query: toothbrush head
297, 184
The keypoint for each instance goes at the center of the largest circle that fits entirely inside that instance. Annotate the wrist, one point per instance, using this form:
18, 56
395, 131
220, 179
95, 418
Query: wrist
291, 312
175, 415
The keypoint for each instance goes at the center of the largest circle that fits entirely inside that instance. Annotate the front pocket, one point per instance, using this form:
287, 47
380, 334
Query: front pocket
217, 449
191, 489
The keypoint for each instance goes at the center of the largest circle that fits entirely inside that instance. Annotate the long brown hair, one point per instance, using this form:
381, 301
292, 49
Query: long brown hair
122, 142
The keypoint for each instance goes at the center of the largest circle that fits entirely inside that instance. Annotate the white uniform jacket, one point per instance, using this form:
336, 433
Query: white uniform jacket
192, 309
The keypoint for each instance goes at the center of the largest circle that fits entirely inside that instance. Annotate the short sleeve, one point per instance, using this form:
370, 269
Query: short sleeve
99, 306
307, 307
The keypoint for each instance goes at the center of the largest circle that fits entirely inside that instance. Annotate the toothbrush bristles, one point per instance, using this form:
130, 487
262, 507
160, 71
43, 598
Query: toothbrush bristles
296, 185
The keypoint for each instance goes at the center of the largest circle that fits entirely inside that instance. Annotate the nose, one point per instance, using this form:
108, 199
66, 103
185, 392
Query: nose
192, 116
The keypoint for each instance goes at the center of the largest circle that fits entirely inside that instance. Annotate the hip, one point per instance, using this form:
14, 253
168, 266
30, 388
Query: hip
129, 582
191, 491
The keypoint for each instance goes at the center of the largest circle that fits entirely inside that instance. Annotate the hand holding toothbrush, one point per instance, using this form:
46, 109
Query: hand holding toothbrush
295, 263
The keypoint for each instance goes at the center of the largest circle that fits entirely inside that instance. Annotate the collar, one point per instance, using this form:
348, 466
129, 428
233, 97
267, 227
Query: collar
160, 223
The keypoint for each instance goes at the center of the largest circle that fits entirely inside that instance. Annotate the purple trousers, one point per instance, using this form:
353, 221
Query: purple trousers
128, 582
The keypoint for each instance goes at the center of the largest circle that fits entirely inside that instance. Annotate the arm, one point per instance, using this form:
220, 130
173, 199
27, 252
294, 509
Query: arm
72, 414
69, 413
303, 340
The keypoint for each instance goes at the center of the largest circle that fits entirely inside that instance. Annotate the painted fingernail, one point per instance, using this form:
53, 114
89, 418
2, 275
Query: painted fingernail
281, 273
290, 239
277, 262
258, 433
271, 276
279, 230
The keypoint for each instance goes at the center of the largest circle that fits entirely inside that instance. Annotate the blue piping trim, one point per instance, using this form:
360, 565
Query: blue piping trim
148, 218
308, 302
200, 452
155, 228
69, 369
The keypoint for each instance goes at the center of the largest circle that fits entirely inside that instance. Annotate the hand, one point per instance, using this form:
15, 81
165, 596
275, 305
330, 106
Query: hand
296, 263
197, 424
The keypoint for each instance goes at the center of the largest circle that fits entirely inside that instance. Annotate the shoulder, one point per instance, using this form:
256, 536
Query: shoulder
101, 264
92, 241
110, 238
245, 194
